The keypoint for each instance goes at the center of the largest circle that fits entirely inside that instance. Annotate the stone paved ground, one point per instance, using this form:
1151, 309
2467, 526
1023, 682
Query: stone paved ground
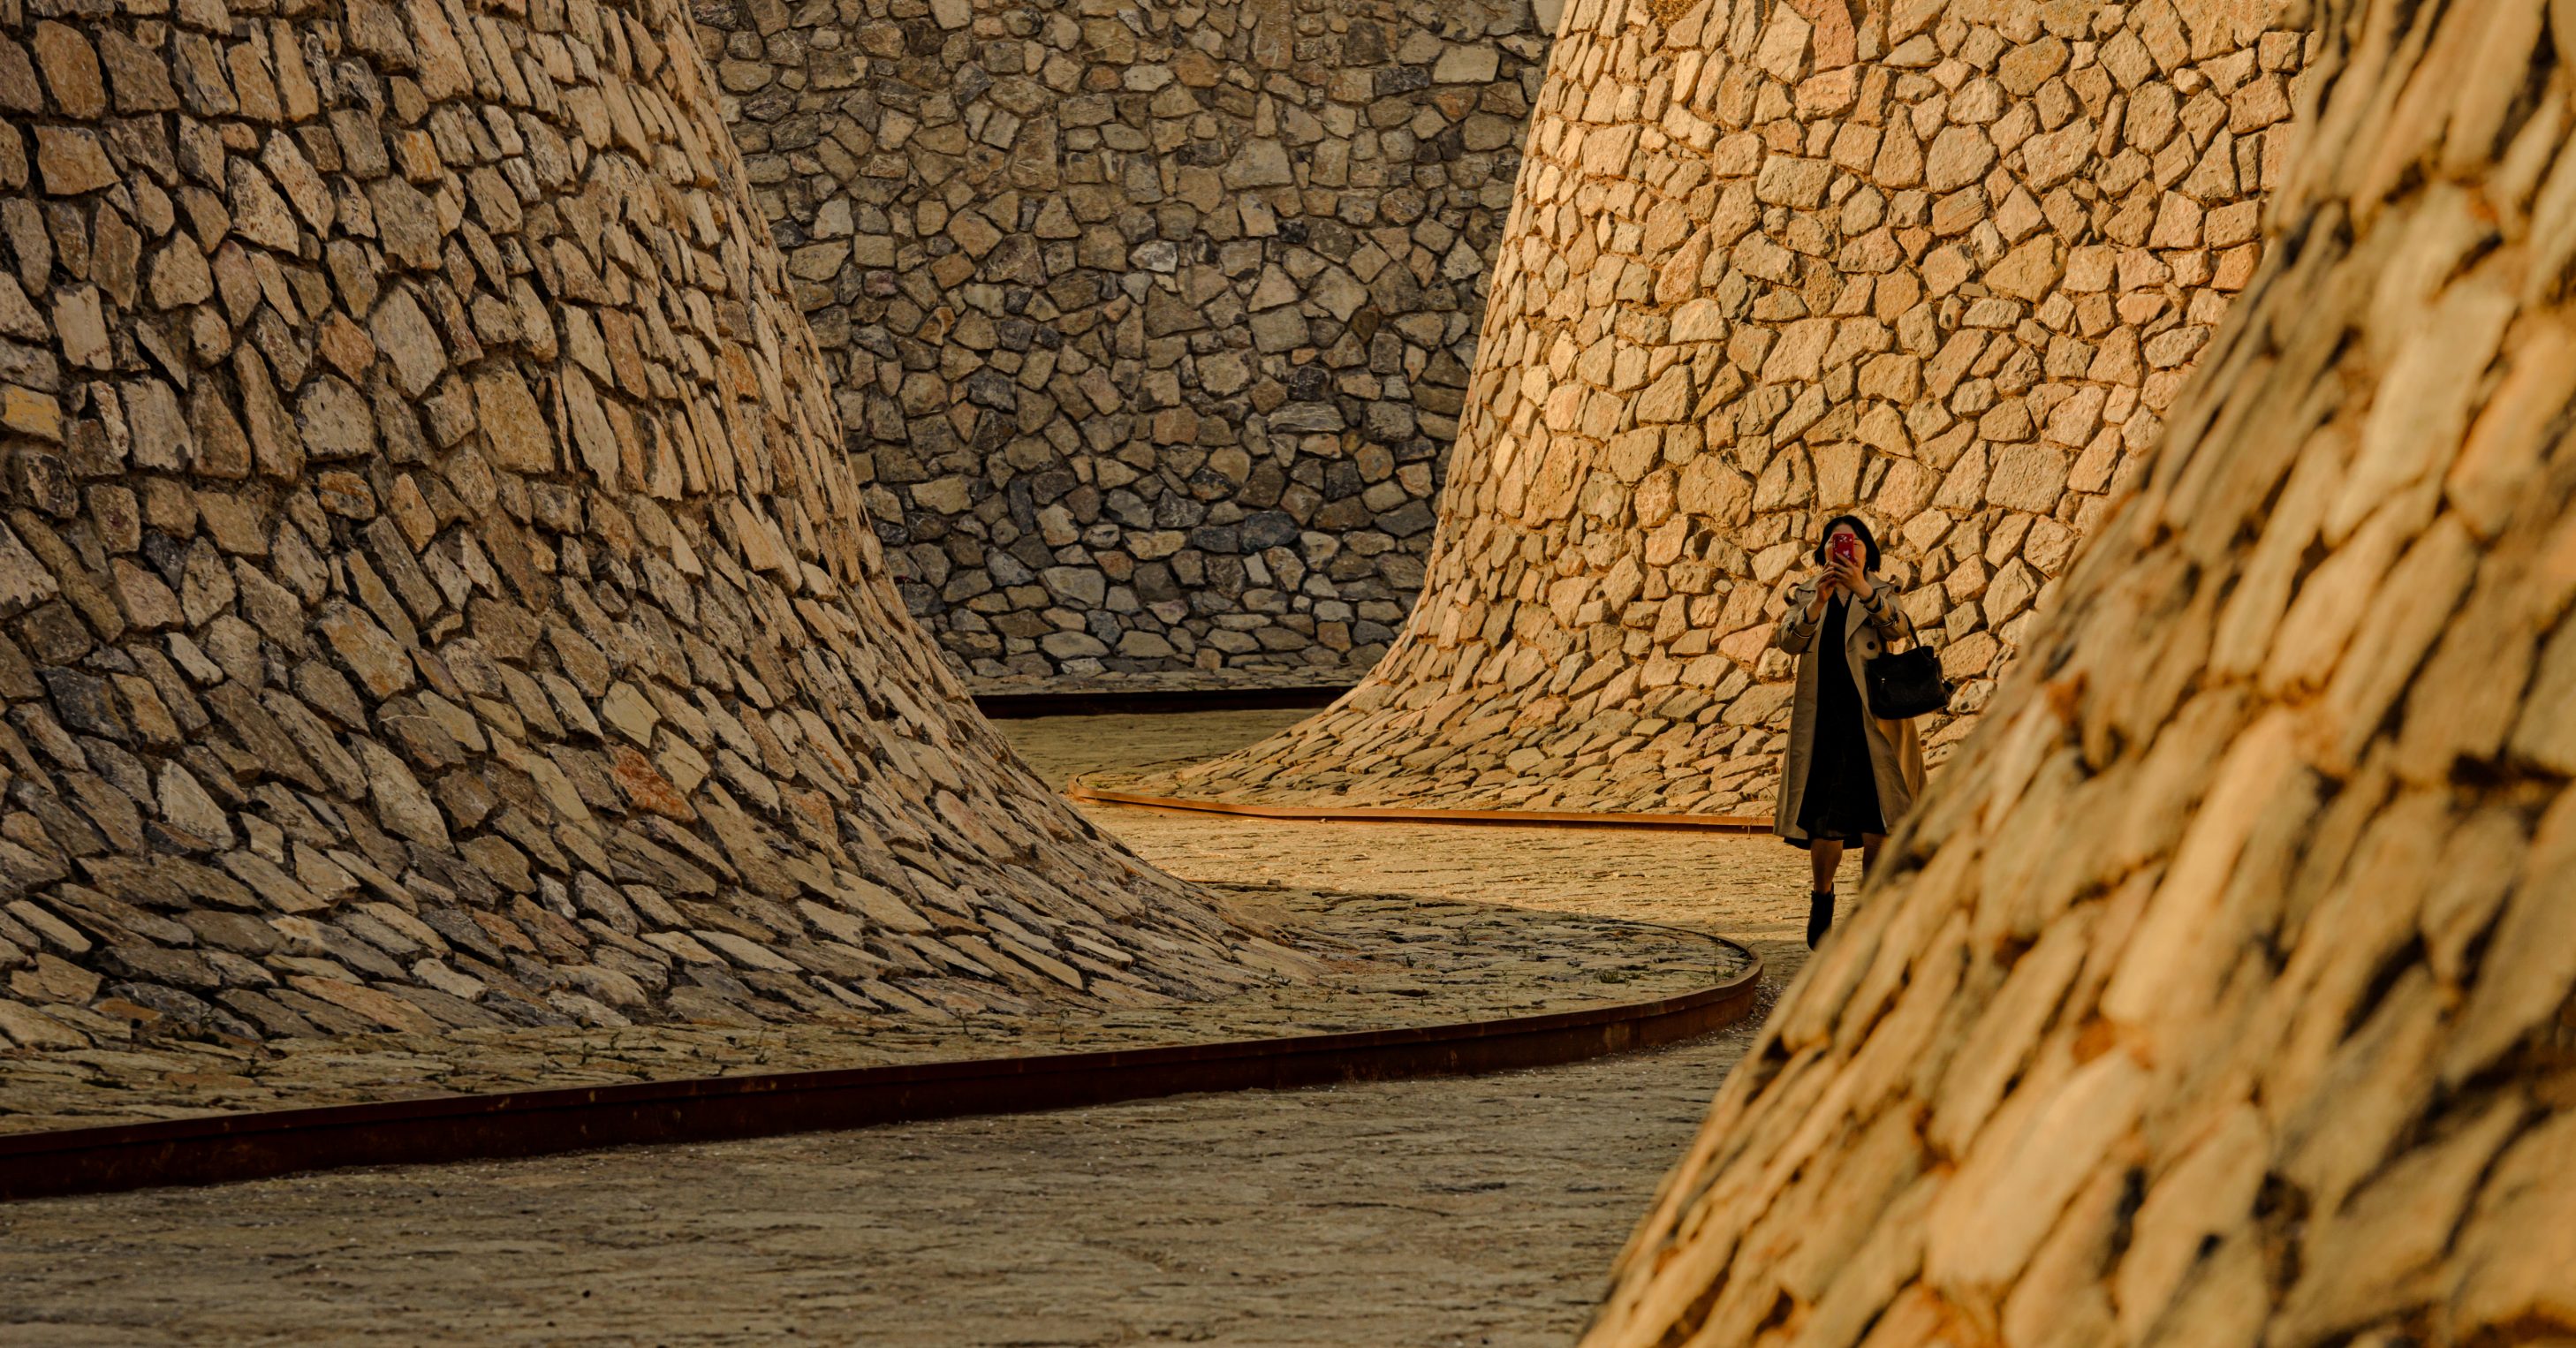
1747, 888
1479, 1211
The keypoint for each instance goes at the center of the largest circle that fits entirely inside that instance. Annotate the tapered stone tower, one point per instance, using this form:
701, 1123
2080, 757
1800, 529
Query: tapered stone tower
431, 591
2219, 992
1941, 265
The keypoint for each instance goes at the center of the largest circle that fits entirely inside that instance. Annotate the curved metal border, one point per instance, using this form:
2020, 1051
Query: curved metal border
1075, 789
1018, 706
229, 1147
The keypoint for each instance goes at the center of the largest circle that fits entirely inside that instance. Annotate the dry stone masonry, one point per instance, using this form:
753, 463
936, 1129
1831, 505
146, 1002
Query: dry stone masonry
1149, 324
2220, 994
432, 592
1940, 265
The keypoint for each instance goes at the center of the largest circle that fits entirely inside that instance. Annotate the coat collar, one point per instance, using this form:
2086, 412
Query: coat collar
1855, 613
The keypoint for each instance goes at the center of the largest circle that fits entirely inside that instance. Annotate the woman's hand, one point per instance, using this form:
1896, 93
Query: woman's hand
1824, 595
1851, 575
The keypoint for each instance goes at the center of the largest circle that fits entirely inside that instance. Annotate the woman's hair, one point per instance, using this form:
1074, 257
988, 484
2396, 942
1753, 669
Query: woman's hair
1868, 541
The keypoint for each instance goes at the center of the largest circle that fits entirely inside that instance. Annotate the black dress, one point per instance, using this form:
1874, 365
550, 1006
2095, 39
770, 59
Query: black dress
1841, 800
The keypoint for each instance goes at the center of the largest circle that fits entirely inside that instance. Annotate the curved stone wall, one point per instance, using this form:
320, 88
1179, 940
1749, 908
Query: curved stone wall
432, 593
2220, 992
1149, 326
1943, 266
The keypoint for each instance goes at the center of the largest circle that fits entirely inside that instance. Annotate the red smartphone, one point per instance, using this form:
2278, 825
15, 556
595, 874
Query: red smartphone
1845, 546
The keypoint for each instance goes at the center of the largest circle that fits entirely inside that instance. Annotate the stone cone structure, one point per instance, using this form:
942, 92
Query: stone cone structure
1943, 265
2219, 993
432, 593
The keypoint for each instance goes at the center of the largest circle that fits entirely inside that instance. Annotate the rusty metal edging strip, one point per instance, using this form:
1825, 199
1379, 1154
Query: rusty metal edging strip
258, 1145
1076, 789
1015, 706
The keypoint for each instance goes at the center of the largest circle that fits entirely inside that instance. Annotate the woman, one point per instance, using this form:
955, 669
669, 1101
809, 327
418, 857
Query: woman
1846, 775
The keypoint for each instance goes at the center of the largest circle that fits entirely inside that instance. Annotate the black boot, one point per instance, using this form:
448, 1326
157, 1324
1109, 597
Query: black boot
1820, 916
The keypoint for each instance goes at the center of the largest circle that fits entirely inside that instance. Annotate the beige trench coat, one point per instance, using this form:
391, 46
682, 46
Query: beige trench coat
1895, 753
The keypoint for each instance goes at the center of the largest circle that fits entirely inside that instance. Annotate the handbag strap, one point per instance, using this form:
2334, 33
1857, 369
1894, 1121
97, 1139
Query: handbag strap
1913, 638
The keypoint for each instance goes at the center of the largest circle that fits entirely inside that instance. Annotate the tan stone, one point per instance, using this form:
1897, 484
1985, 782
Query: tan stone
72, 161
516, 432
71, 70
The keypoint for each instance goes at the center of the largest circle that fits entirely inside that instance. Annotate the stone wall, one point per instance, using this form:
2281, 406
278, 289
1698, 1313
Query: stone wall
1940, 267
1149, 324
432, 594
2220, 992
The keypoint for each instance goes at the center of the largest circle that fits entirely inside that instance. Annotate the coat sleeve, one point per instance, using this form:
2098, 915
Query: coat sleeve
1881, 612
1797, 627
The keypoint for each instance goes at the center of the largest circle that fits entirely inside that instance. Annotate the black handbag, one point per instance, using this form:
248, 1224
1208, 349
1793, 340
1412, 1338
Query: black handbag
1906, 684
